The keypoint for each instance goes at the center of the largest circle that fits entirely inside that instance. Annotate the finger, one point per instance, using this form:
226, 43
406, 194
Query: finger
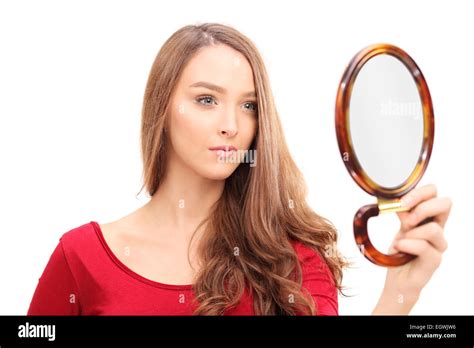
429, 257
419, 194
431, 232
411, 199
404, 222
438, 208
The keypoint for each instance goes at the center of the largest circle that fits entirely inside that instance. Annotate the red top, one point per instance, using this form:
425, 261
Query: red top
84, 277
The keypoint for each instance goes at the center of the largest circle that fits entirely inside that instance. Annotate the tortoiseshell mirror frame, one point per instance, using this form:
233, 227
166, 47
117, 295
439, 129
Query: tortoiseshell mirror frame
388, 199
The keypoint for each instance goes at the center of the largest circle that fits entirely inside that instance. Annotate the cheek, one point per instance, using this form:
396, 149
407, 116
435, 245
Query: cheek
188, 131
249, 131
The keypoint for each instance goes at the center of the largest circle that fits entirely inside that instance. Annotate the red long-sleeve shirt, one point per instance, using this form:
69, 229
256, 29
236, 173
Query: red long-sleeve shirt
84, 277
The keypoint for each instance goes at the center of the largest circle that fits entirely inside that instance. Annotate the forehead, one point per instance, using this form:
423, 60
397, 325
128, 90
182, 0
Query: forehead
220, 65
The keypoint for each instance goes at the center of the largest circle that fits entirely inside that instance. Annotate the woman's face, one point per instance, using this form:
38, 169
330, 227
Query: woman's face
214, 104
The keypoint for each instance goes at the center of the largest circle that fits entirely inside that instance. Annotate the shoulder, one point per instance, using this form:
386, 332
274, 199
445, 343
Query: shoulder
308, 255
81, 242
79, 236
317, 278
310, 258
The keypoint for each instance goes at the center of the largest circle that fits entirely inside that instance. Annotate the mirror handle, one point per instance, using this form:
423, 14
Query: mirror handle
365, 245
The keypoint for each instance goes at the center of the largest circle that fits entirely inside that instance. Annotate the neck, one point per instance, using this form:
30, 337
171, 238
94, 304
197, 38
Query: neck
183, 199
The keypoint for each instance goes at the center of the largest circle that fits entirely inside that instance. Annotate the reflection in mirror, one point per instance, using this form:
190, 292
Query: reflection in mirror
386, 120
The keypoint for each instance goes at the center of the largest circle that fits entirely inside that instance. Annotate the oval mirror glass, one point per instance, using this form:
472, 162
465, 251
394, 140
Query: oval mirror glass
386, 120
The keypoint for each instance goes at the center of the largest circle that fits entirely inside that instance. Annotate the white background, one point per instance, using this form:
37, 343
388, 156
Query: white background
72, 77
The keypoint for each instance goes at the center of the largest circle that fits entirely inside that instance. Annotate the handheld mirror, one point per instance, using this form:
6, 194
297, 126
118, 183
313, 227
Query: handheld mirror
385, 132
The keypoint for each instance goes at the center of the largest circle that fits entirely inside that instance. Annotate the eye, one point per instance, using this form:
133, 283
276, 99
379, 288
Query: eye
251, 106
206, 100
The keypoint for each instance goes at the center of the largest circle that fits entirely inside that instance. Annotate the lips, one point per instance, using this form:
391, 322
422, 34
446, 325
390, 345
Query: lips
226, 148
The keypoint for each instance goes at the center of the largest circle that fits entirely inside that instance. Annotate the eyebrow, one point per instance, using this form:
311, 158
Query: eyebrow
219, 89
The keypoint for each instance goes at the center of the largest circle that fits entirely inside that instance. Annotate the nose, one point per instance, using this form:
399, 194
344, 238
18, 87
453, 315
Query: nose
228, 125
228, 132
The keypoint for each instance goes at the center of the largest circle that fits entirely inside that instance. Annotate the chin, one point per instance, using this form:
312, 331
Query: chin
217, 172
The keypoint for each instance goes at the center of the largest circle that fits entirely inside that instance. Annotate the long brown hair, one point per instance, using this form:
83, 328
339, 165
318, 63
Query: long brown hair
262, 207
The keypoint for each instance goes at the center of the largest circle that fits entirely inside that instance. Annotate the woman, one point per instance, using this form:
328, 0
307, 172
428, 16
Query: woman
225, 231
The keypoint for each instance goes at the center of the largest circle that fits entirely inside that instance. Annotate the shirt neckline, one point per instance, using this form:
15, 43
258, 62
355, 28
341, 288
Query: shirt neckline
129, 271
